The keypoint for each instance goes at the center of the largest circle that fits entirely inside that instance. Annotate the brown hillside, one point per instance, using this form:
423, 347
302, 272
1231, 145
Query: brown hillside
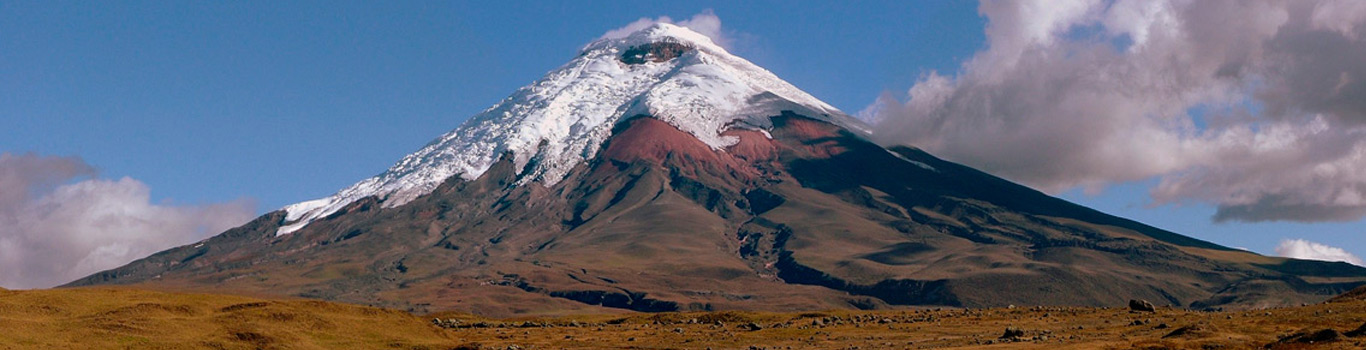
1358, 294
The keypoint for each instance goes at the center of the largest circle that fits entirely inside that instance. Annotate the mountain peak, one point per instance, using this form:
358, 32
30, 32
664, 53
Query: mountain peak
656, 34
665, 71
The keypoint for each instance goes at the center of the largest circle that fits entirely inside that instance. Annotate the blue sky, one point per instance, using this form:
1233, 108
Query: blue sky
208, 102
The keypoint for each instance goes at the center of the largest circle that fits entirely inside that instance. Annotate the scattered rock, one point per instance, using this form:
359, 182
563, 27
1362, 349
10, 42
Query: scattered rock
449, 323
751, 326
1141, 305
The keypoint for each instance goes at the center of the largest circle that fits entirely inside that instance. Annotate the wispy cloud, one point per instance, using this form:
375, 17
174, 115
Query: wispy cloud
1302, 249
1258, 107
705, 23
59, 222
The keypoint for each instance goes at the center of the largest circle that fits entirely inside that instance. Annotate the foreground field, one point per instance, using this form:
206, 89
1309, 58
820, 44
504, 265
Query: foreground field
126, 318
102, 318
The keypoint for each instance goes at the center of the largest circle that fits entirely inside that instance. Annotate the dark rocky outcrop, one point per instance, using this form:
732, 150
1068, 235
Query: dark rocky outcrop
1199, 330
1312, 336
1012, 333
654, 52
1359, 332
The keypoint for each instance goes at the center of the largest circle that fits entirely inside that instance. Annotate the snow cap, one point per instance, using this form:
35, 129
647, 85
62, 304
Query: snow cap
563, 119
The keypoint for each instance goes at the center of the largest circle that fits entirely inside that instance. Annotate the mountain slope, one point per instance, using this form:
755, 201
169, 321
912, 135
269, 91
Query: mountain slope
559, 121
748, 194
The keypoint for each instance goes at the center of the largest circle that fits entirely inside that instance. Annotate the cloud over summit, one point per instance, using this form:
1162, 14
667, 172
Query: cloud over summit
705, 23
58, 222
1258, 107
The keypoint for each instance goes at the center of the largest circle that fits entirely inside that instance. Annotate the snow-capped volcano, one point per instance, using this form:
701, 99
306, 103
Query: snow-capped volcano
732, 190
665, 71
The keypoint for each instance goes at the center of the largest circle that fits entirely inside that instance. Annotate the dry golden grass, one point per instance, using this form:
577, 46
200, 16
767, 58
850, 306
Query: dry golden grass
114, 318
108, 318
1043, 328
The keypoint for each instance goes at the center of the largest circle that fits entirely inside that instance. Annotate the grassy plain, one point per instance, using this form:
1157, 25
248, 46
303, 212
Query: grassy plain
120, 318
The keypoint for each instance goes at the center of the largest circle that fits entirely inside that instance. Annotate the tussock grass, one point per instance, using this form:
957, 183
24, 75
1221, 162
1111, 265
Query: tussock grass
119, 318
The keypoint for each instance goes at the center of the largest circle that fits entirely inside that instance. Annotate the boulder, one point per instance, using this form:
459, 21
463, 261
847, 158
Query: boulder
1140, 305
1012, 332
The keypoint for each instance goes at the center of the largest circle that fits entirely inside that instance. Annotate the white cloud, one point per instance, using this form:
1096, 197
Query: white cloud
1344, 16
705, 23
633, 27
1302, 249
58, 222
1258, 107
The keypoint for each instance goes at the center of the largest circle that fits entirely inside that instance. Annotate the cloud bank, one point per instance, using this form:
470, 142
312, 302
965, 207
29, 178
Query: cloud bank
705, 23
1258, 107
58, 222
1302, 249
